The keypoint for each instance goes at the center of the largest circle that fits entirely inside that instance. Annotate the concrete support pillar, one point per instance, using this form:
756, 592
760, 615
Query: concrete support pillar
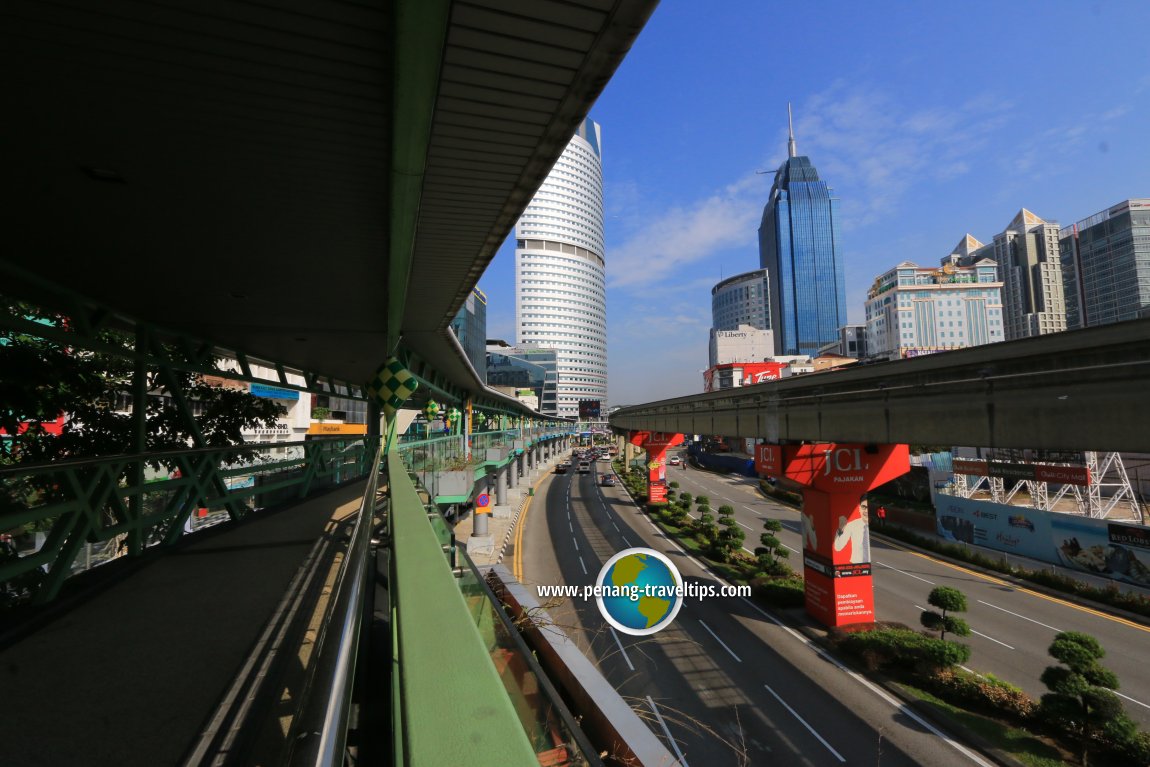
530, 454
513, 472
480, 528
501, 486
836, 537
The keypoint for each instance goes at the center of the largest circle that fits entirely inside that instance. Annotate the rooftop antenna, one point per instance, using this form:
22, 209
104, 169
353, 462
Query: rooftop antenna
791, 152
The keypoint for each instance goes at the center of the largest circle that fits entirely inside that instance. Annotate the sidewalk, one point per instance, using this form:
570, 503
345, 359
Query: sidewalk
501, 528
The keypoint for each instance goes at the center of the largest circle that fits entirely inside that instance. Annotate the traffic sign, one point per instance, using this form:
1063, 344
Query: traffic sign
482, 502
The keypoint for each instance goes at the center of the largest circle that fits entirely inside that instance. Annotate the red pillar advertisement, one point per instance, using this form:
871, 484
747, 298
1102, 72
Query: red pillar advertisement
836, 536
656, 444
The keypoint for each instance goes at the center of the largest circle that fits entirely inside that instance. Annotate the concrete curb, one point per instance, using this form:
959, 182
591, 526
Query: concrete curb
549, 468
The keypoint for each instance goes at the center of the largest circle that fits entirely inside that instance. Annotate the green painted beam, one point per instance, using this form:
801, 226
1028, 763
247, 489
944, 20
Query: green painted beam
440, 649
420, 37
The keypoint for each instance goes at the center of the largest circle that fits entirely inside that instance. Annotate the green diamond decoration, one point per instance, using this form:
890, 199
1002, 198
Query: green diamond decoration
391, 386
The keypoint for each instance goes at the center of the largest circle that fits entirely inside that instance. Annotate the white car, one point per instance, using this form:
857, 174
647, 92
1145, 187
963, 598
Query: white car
675, 461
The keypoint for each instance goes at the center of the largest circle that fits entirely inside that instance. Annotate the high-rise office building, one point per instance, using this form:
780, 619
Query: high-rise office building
799, 246
470, 326
1106, 265
560, 288
1030, 268
741, 300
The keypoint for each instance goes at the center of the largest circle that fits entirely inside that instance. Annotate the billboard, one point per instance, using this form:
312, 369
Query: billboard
1118, 550
589, 409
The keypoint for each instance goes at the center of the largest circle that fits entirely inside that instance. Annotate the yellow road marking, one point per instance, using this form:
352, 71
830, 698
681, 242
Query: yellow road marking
1021, 589
517, 560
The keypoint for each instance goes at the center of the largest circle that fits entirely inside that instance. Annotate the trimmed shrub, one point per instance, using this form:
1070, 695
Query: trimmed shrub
780, 592
905, 650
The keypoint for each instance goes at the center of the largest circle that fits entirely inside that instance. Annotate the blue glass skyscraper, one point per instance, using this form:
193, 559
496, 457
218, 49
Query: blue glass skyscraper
799, 245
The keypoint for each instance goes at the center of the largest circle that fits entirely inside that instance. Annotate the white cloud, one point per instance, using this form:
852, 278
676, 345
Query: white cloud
663, 243
862, 139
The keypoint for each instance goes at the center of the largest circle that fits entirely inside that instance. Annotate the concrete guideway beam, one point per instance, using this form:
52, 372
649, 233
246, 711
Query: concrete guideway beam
1070, 391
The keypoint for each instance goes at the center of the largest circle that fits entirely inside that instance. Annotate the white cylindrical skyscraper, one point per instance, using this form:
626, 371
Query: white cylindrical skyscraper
560, 298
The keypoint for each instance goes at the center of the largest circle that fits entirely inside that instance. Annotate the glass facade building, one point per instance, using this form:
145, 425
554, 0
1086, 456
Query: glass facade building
1106, 265
526, 367
470, 326
741, 300
799, 246
560, 285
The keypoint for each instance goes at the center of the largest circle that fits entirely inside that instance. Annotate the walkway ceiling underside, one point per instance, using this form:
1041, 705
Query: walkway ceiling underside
1083, 390
292, 181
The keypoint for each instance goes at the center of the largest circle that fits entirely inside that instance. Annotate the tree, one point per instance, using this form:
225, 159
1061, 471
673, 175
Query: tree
730, 538
1081, 698
772, 549
948, 600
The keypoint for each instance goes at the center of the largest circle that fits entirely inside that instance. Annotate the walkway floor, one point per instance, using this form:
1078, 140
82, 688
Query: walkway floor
131, 674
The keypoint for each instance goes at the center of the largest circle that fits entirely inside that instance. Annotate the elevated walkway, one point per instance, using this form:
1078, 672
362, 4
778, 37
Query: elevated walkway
132, 672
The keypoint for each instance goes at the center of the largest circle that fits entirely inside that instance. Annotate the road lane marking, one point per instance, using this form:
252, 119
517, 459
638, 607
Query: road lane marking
720, 641
992, 639
898, 705
621, 648
802, 721
1023, 589
569, 527
517, 560
674, 745
904, 572
972, 631
615, 526
1040, 623
1127, 697
584, 567
575, 542
746, 526
626, 541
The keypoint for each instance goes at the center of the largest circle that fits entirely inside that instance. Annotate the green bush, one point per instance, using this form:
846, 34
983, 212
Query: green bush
987, 694
703, 500
780, 592
904, 650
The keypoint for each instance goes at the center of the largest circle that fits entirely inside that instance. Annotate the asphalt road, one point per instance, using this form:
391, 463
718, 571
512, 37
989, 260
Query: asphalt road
1013, 626
727, 683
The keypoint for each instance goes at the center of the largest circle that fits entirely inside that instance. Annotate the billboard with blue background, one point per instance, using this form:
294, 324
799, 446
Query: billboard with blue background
1119, 550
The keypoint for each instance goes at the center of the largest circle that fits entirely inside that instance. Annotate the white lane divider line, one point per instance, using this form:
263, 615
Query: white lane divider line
904, 572
615, 526
569, 527
583, 564
626, 541
746, 526
804, 723
788, 548
720, 641
972, 631
671, 740
575, 542
992, 639
1127, 697
898, 705
1016, 615
621, 648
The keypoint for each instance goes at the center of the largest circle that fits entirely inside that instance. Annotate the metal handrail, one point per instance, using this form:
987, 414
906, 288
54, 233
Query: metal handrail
322, 732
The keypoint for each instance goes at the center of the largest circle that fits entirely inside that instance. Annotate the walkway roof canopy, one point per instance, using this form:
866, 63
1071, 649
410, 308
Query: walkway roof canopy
278, 179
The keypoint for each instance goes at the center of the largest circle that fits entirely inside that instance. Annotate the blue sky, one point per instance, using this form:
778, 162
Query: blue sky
928, 120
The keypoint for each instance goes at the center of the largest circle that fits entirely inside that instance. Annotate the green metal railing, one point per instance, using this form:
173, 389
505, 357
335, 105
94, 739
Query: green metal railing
431, 459
78, 514
465, 690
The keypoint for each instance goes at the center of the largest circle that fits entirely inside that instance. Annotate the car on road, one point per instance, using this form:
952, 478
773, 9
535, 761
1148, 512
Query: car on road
562, 468
584, 467
607, 481
675, 460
